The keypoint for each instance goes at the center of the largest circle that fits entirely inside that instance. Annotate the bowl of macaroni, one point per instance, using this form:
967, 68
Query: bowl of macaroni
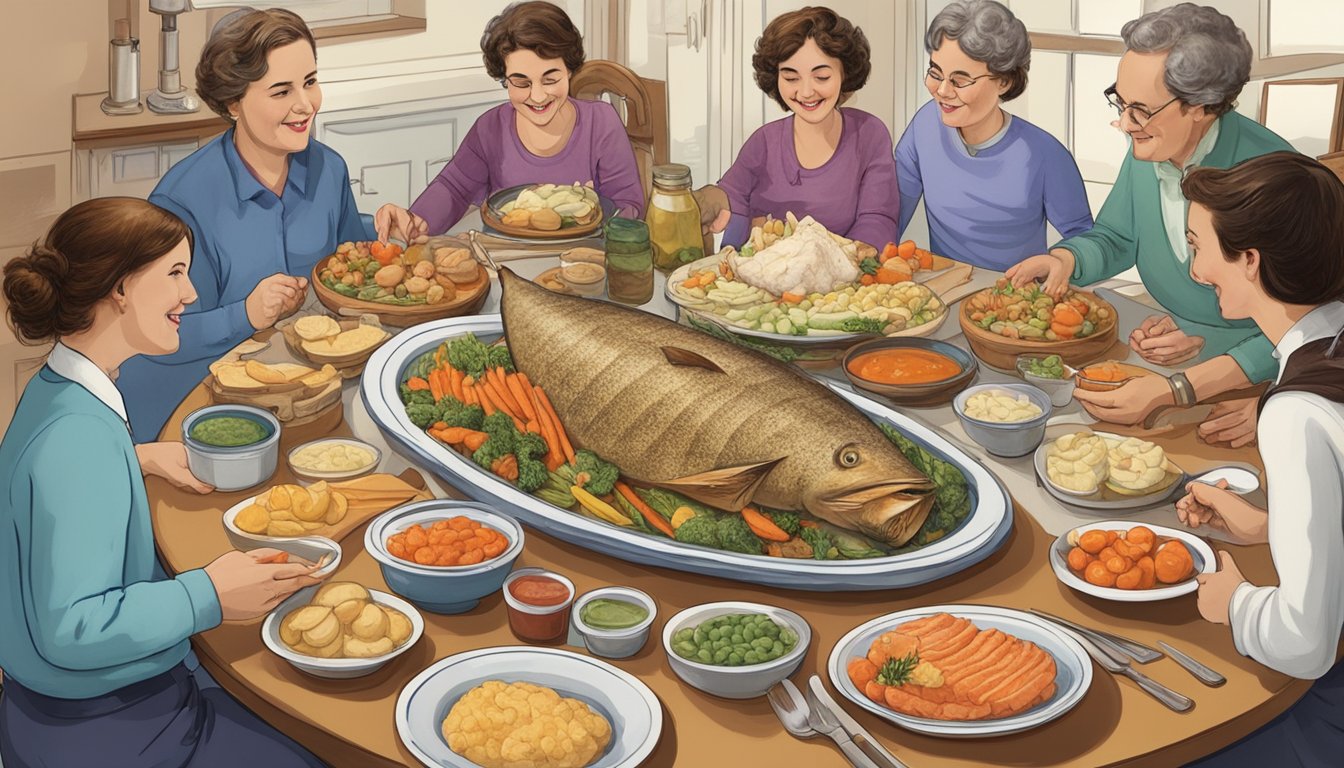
333, 459
1007, 419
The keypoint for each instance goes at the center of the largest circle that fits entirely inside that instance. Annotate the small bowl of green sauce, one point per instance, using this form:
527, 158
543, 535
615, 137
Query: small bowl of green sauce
232, 447
614, 621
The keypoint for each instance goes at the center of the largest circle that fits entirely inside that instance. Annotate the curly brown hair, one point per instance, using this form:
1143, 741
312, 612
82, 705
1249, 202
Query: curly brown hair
835, 35
54, 288
538, 26
1288, 207
235, 55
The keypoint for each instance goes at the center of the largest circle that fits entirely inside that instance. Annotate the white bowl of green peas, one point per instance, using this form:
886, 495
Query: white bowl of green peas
735, 650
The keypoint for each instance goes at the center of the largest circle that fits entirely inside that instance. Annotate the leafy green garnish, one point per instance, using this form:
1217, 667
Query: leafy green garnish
897, 671
869, 266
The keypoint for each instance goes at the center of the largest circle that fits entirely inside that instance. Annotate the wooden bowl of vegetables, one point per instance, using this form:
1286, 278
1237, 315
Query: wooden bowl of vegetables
427, 280
1003, 322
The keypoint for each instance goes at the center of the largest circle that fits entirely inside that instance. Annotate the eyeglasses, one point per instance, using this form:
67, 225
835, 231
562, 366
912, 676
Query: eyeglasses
1139, 115
525, 84
957, 81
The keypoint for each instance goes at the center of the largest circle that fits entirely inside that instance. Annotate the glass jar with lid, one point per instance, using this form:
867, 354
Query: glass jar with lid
673, 218
629, 261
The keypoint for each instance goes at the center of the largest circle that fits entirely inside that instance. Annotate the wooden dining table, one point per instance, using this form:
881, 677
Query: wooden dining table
351, 722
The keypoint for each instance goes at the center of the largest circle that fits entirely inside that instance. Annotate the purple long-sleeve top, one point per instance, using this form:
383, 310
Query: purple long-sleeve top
492, 157
853, 194
989, 210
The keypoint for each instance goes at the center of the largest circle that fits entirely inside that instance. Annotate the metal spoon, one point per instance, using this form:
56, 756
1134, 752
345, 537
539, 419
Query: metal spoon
1240, 481
791, 709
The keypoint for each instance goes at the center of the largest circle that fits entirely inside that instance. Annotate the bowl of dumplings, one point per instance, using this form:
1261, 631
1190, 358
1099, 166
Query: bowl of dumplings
1085, 464
341, 629
544, 211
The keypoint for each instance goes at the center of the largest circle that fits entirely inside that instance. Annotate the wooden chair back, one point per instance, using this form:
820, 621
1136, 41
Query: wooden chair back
641, 103
1335, 162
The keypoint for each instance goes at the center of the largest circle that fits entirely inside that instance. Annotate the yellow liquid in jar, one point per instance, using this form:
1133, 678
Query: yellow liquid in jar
674, 228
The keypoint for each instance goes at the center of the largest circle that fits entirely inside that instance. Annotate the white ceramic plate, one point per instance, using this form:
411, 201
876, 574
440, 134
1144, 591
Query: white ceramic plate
1201, 553
310, 548
1073, 668
979, 536
635, 715
338, 669
1095, 499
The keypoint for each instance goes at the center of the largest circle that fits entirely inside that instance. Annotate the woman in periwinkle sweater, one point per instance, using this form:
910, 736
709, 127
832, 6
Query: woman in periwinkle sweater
990, 181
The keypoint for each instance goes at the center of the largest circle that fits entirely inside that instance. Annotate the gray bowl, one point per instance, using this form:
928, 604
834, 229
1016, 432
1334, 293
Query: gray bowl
615, 643
1009, 440
745, 682
233, 469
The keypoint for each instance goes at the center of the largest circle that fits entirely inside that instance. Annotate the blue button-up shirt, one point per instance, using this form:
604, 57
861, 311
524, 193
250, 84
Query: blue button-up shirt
243, 233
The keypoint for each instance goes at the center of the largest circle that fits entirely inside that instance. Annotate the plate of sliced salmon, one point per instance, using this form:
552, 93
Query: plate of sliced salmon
961, 671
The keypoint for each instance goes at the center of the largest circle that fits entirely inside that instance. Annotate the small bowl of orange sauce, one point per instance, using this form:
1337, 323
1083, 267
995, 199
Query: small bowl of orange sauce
538, 602
1109, 375
910, 371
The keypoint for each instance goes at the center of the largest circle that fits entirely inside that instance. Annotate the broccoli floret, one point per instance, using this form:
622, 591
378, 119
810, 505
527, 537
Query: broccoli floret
503, 436
456, 413
492, 449
532, 474
701, 529
415, 396
422, 415
500, 358
596, 475
529, 445
736, 536
869, 266
469, 355
823, 548
787, 521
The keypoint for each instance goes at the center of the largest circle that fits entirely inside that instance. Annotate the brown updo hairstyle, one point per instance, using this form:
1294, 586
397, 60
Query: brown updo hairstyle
833, 34
1288, 207
53, 289
235, 55
540, 27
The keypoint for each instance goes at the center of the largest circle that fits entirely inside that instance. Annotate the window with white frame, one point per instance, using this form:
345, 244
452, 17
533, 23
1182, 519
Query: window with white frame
1301, 26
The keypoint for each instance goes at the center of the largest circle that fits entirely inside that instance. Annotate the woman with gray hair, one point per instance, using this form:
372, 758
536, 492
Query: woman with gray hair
1175, 88
989, 180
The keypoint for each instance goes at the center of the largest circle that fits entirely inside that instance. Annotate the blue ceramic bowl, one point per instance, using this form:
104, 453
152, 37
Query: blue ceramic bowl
442, 588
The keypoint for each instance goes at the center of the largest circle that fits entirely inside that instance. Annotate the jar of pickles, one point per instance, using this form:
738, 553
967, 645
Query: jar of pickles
673, 218
629, 261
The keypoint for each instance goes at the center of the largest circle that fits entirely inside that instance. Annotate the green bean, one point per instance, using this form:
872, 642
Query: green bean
739, 639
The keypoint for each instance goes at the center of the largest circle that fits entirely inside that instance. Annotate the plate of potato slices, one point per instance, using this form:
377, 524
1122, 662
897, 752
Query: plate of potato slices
451, 714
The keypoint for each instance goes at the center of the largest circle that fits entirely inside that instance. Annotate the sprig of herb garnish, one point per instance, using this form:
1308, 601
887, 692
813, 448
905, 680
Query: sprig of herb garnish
897, 671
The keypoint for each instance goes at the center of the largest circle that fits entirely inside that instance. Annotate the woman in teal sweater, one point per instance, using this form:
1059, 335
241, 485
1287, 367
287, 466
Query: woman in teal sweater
1175, 89
91, 644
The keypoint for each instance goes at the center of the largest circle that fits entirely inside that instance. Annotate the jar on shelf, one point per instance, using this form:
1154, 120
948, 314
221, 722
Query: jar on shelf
629, 261
673, 218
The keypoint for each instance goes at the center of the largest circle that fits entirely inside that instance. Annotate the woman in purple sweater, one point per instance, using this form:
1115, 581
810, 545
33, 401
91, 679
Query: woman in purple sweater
990, 181
539, 136
833, 164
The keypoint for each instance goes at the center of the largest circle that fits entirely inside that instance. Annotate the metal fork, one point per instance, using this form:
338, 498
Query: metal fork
790, 715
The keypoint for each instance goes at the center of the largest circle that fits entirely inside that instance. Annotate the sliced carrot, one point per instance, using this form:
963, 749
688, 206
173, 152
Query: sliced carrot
925, 259
415, 383
474, 440
559, 425
533, 426
888, 253
554, 458
438, 425
485, 400
651, 517
906, 249
515, 386
763, 526
455, 382
1064, 331
506, 466
487, 385
791, 298
501, 383
469, 395
435, 387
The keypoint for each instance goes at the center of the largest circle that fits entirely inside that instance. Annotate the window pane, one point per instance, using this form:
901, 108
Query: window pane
1044, 15
1098, 146
1046, 100
1303, 114
1305, 26
1106, 17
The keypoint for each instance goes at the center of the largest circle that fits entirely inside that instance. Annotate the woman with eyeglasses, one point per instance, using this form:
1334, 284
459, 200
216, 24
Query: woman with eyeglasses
265, 201
541, 135
1175, 90
821, 160
990, 181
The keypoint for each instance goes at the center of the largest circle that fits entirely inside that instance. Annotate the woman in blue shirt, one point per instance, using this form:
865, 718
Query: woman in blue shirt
265, 201
91, 644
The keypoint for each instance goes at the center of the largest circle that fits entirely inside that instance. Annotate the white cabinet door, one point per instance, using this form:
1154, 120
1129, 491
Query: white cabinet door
394, 151
133, 170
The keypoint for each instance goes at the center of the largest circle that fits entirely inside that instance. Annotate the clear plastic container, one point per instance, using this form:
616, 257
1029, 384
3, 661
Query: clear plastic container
673, 218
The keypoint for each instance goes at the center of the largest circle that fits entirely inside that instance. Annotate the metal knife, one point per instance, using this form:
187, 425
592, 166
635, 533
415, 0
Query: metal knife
823, 720
1201, 672
1119, 665
861, 737
1121, 645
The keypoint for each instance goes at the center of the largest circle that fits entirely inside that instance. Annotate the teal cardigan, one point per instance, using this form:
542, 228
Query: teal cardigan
79, 614
1128, 232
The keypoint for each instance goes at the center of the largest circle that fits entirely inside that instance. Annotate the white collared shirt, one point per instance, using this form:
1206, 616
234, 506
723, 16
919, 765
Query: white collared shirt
1295, 627
69, 364
1173, 203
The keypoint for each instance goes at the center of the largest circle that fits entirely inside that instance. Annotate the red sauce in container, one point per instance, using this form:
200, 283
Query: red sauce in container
538, 602
539, 590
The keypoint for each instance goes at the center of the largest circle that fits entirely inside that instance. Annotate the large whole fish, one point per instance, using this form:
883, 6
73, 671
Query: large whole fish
675, 408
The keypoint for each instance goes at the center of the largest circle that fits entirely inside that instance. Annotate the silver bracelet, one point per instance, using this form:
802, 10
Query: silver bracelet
1182, 390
